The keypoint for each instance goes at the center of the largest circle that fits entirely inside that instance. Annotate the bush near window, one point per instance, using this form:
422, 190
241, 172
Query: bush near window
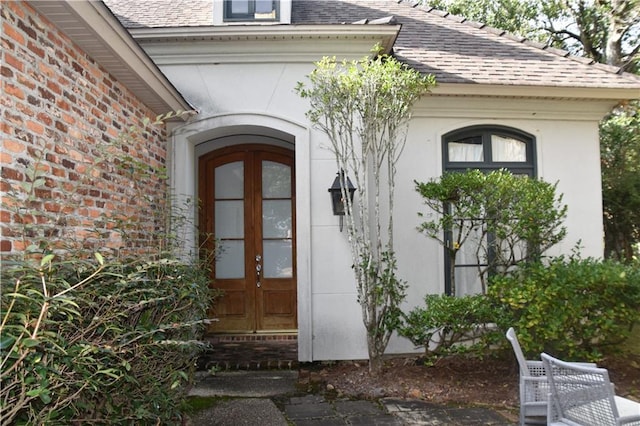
578, 309
503, 219
450, 324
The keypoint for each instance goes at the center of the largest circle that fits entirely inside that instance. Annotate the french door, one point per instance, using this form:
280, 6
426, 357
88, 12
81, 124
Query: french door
248, 207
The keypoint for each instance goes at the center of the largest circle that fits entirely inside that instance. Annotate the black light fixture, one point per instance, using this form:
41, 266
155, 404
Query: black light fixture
337, 202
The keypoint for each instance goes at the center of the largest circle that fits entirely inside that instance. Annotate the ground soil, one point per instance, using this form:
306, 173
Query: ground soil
455, 380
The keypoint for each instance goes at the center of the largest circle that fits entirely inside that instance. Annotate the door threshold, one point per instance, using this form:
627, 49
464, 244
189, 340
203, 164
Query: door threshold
250, 337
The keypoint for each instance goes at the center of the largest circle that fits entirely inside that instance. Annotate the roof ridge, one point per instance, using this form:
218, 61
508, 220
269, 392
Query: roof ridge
520, 39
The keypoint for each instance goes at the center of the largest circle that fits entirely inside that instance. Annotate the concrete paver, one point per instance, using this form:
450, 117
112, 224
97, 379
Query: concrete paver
240, 412
248, 384
417, 412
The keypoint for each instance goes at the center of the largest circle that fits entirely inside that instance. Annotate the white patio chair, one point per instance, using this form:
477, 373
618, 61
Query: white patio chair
584, 396
534, 387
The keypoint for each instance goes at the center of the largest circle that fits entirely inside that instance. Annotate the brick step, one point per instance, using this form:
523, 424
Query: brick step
250, 352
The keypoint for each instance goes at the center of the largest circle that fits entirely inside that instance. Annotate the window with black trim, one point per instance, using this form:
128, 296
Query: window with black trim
251, 10
485, 148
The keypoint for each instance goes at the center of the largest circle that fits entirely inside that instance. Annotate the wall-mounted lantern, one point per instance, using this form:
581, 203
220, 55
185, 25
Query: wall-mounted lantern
337, 202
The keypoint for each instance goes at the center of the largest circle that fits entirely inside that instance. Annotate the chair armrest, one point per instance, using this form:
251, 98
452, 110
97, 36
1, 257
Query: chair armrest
627, 408
629, 420
541, 379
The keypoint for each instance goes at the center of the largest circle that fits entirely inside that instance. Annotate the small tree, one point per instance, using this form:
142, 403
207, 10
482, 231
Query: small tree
501, 218
364, 107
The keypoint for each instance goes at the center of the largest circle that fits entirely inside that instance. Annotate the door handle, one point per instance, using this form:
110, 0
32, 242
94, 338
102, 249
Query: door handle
258, 270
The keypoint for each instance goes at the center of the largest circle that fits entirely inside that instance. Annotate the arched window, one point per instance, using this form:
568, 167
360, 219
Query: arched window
489, 148
485, 148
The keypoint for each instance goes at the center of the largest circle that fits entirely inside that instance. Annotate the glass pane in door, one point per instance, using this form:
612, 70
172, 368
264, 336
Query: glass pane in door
230, 260
229, 220
276, 180
276, 218
277, 223
278, 259
229, 181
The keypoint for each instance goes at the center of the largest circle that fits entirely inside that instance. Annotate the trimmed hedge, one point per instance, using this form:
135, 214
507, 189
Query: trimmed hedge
578, 309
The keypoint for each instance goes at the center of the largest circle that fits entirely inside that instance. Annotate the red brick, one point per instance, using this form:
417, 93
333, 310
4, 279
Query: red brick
58, 172
45, 118
35, 127
6, 72
14, 91
19, 245
12, 32
13, 146
13, 62
68, 118
54, 87
62, 104
28, 29
52, 207
5, 245
46, 70
5, 158
39, 51
11, 174
26, 82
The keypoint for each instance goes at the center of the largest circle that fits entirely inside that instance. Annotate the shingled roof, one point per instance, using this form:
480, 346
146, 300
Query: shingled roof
453, 49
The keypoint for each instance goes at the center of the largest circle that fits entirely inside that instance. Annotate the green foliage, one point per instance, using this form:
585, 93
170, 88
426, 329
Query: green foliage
573, 308
515, 16
521, 216
620, 157
104, 343
364, 108
604, 30
448, 325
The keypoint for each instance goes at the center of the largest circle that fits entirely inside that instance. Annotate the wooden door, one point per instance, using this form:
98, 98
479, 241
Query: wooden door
248, 201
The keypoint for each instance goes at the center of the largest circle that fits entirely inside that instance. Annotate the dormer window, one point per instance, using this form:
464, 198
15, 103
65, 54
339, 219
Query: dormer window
251, 10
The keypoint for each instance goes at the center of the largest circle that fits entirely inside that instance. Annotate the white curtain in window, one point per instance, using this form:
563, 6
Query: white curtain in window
467, 152
508, 149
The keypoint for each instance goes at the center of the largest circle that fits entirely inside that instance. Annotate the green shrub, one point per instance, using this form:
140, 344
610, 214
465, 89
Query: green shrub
95, 343
450, 324
498, 219
576, 309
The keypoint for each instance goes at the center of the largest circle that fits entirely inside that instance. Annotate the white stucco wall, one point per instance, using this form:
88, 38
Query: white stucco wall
232, 96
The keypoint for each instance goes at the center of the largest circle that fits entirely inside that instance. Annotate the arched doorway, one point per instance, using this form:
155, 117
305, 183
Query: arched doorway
248, 201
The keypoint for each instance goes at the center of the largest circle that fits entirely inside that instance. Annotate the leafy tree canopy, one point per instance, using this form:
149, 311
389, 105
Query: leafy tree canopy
606, 30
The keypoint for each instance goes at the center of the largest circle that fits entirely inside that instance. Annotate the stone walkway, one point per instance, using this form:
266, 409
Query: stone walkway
258, 382
271, 398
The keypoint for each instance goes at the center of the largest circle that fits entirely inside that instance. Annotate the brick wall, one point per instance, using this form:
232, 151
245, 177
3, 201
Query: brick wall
64, 116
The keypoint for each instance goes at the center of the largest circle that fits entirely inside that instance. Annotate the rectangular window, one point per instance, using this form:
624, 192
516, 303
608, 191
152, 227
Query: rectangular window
251, 10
